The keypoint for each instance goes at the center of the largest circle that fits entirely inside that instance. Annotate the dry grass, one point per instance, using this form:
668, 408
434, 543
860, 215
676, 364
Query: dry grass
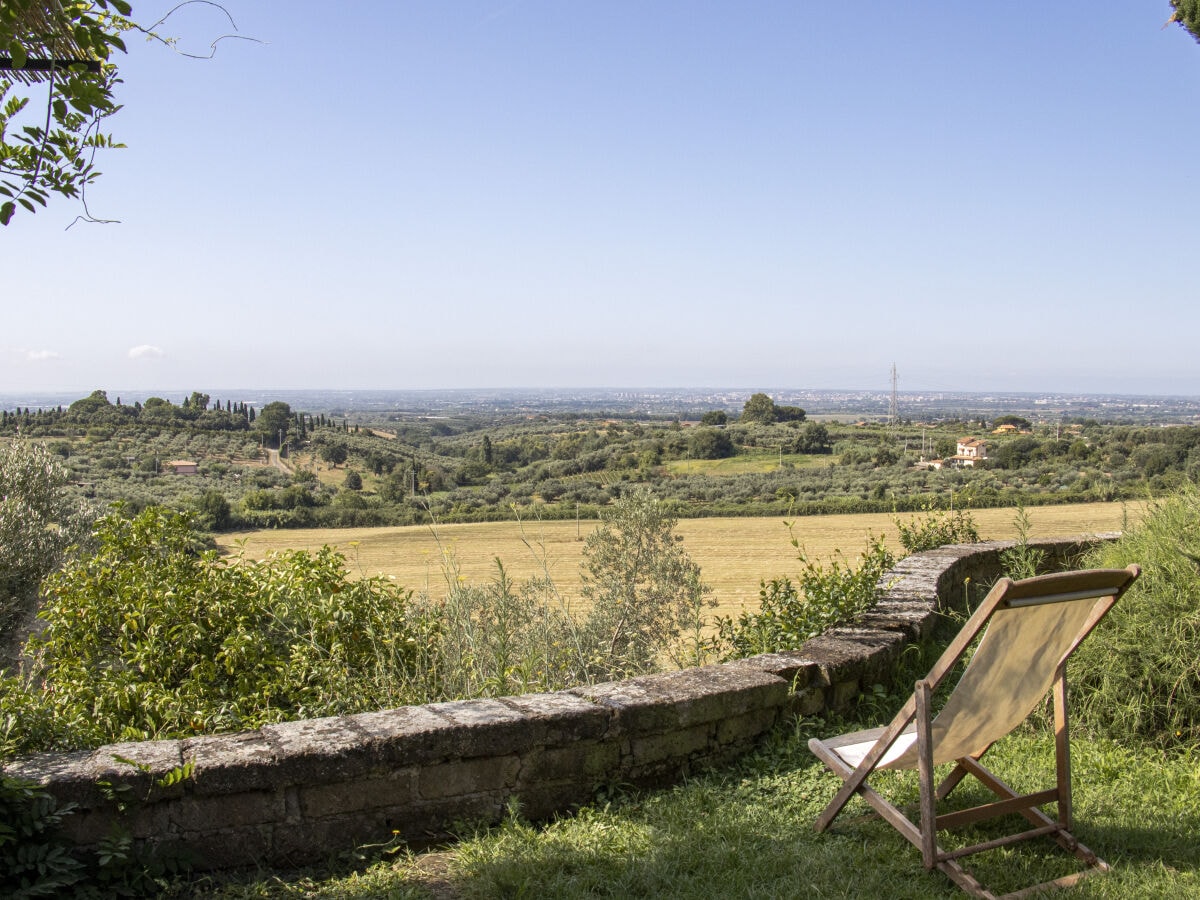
735, 554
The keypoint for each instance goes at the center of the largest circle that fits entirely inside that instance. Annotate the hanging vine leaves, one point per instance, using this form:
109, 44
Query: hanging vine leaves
56, 88
57, 80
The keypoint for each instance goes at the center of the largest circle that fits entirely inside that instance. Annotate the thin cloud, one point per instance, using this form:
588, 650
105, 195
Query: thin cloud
41, 355
145, 351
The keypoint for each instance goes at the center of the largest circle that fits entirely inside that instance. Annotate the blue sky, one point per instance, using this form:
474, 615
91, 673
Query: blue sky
761, 194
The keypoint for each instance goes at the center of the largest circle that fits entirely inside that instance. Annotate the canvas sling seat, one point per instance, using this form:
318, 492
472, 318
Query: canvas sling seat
1027, 631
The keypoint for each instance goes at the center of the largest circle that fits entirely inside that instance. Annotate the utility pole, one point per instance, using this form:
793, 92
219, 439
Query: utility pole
894, 406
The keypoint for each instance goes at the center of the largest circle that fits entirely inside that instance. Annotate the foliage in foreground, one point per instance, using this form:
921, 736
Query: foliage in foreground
936, 528
791, 613
50, 149
155, 637
38, 521
1137, 678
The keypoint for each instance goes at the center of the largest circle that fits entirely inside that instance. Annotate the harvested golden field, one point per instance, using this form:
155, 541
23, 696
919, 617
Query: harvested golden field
734, 554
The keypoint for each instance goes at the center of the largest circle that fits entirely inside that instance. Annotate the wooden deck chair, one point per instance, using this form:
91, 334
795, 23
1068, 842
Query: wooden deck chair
1030, 628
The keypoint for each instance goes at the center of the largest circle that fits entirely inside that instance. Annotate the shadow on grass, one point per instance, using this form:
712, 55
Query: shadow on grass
748, 833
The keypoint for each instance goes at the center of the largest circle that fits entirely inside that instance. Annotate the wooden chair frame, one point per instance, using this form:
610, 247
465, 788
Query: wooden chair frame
894, 746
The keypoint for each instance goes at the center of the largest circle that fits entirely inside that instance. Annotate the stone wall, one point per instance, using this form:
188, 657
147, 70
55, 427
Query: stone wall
294, 792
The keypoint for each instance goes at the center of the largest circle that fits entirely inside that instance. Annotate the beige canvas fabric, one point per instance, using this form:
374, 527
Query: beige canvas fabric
1011, 671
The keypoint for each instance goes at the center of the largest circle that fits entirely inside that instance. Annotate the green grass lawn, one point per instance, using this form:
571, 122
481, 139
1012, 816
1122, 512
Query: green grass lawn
746, 831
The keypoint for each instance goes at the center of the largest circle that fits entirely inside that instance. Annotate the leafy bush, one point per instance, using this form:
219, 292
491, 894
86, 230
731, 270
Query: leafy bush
645, 590
937, 528
499, 639
38, 521
791, 613
35, 859
38, 860
155, 637
1137, 678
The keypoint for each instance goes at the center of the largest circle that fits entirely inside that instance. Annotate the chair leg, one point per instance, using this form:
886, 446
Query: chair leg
929, 853
1062, 749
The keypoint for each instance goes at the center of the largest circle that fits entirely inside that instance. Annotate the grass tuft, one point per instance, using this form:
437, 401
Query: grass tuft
1137, 678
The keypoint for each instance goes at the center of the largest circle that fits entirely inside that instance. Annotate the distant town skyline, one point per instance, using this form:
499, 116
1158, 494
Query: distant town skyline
529, 194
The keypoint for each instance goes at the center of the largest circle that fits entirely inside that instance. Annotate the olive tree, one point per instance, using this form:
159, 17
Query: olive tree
644, 588
38, 521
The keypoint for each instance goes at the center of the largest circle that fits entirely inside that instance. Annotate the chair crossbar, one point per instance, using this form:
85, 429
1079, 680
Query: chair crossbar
1019, 602
998, 842
998, 808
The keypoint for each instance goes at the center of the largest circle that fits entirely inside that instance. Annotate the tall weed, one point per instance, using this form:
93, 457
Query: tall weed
937, 528
1021, 560
822, 596
496, 639
1137, 678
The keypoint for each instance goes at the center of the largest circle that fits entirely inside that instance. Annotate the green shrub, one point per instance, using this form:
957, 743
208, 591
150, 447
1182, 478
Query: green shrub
1021, 560
645, 591
791, 613
155, 637
1137, 678
38, 521
937, 528
35, 859
499, 638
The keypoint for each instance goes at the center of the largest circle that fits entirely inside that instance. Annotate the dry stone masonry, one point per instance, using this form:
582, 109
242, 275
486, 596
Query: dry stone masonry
294, 792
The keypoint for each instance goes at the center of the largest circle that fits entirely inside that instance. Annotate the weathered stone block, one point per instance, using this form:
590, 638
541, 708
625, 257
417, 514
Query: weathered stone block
746, 729
842, 693
809, 701
464, 777
314, 751
215, 813
154, 760
657, 703
672, 745
231, 763
432, 821
68, 776
586, 759
322, 800
794, 668
545, 799
228, 848
407, 735
488, 728
295, 844
561, 718
849, 653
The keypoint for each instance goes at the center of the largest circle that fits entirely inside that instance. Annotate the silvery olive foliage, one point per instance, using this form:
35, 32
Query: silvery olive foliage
39, 520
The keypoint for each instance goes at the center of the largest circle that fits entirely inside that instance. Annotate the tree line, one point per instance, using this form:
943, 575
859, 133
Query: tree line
394, 468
